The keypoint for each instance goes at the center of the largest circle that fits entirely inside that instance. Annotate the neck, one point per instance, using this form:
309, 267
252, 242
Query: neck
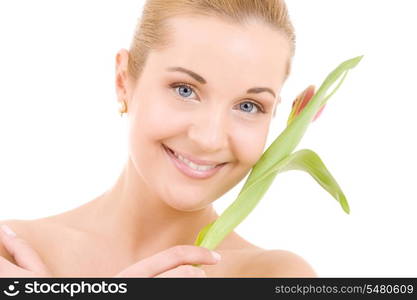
132, 215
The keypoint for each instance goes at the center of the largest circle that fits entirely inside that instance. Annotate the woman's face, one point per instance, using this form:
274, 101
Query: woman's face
195, 98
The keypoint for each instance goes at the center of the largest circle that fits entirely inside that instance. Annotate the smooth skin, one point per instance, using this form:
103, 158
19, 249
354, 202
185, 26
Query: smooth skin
135, 227
19, 259
174, 262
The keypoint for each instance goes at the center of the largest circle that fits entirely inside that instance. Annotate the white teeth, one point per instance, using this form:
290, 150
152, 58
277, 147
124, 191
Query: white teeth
193, 165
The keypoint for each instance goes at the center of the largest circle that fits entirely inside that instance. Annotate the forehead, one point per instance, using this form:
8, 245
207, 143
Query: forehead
221, 49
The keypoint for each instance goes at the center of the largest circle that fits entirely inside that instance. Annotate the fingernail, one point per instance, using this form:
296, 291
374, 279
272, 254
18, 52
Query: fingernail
7, 230
216, 255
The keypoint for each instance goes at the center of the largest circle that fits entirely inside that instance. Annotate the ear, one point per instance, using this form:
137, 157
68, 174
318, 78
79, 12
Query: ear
122, 80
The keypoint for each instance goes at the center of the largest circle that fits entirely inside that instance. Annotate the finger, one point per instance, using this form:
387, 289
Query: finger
8, 269
183, 271
169, 259
22, 252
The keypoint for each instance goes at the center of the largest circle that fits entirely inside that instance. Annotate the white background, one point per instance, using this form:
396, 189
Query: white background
63, 143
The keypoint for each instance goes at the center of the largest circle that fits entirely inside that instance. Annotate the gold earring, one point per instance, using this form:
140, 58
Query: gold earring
122, 108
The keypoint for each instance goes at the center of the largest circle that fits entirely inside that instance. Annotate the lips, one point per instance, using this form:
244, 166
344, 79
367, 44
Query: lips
188, 170
192, 159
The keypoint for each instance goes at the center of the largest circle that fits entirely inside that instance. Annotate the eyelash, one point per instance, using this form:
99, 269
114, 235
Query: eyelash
191, 87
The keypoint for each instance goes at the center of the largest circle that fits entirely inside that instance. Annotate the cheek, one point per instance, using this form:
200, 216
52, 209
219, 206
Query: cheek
249, 145
154, 120
247, 148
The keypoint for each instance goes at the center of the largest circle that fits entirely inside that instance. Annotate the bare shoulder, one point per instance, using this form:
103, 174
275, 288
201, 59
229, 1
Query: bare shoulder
276, 263
26, 229
241, 258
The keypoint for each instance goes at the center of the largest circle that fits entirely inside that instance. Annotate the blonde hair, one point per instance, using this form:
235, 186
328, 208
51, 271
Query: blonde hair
152, 31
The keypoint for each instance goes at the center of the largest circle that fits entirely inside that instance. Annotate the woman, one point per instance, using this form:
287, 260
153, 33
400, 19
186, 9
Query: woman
200, 85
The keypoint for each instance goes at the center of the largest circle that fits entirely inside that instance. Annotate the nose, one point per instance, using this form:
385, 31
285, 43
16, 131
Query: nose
209, 132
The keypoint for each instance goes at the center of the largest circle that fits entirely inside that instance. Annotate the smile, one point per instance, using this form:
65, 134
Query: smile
192, 169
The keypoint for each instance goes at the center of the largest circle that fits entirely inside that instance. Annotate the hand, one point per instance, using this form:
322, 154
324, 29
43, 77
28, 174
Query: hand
172, 262
29, 264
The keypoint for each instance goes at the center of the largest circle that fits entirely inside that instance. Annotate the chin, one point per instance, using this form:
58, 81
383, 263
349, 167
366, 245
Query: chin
186, 204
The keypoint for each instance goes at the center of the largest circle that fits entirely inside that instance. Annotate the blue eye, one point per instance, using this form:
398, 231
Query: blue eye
248, 106
185, 91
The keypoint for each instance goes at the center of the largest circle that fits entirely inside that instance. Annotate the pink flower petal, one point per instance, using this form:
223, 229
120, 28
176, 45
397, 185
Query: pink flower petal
308, 94
319, 112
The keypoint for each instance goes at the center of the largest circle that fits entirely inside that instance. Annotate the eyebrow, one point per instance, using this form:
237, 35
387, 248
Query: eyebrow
200, 79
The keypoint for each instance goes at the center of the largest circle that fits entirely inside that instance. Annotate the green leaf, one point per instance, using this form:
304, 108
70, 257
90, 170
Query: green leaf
278, 158
308, 161
236, 212
305, 160
202, 233
200, 238
286, 142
